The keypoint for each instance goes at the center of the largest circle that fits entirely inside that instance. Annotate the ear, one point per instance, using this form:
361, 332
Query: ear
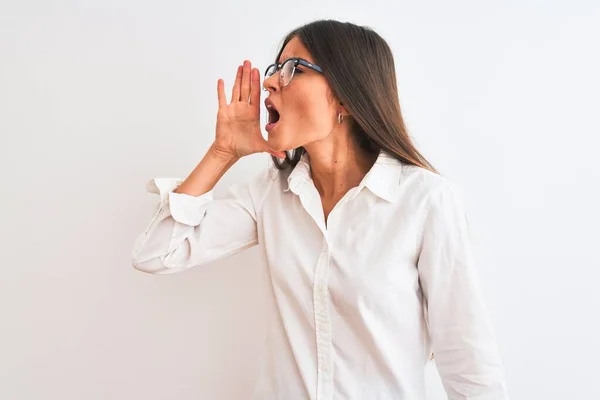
342, 109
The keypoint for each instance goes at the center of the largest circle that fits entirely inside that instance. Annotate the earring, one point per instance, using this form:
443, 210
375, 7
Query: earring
340, 117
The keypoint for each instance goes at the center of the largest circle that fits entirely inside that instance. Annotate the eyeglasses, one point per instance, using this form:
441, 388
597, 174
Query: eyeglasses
287, 69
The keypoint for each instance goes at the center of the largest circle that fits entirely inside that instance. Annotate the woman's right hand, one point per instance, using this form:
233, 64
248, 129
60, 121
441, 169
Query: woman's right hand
238, 130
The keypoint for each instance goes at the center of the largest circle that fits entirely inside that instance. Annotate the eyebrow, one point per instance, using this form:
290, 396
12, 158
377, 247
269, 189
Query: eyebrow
287, 58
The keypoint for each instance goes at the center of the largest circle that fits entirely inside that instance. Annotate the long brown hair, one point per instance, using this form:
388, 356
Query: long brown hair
359, 67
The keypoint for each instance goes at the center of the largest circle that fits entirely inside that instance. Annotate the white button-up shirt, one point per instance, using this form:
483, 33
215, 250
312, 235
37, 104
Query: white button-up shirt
364, 300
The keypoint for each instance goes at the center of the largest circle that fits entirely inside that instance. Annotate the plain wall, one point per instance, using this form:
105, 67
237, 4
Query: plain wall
98, 97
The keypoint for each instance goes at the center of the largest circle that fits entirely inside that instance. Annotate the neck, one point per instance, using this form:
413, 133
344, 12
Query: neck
337, 167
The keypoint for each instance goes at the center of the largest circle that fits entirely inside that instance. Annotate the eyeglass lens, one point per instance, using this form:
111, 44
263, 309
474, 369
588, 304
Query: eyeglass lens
285, 74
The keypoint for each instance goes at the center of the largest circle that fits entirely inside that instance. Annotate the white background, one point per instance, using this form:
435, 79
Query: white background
97, 97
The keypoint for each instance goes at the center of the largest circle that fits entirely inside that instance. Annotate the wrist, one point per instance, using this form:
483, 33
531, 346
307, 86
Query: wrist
222, 156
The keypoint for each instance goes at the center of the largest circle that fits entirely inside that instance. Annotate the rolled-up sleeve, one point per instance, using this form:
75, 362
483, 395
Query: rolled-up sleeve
465, 348
188, 231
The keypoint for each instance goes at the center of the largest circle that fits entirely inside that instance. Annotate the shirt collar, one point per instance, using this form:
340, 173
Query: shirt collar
299, 175
382, 179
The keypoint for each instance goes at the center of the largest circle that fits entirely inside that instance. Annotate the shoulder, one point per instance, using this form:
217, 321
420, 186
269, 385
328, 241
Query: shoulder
429, 187
266, 182
439, 203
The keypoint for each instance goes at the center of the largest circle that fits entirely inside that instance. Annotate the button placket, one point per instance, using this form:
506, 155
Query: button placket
323, 326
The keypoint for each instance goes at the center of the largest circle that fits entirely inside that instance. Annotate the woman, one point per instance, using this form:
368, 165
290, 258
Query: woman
367, 246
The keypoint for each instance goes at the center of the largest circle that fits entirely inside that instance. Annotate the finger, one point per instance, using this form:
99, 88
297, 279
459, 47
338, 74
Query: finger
245, 91
221, 93
235, 92
255, 89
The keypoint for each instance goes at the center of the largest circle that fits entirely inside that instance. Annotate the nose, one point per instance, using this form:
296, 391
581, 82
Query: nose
271, 84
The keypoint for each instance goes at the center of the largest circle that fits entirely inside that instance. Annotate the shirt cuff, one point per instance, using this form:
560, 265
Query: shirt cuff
184, 208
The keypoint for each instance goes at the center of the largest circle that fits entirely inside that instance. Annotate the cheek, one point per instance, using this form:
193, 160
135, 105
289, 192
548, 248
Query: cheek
313, 114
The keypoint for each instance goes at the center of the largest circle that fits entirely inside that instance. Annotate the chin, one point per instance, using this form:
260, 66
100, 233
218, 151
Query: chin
278, 142
276, 145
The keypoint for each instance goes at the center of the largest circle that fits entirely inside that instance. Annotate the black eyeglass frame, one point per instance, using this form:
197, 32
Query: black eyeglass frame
297, 61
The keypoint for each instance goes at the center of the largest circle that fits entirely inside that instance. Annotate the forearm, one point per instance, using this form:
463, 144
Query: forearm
207, 173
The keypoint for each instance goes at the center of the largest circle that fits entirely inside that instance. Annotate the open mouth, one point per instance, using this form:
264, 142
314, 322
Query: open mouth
273, 117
